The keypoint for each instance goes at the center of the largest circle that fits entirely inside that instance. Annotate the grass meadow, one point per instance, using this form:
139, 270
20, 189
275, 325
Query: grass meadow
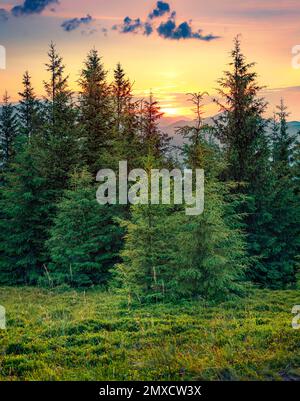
93, 335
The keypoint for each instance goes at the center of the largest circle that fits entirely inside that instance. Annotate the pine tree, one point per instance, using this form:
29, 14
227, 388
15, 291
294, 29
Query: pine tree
28, 110
39, 175
148, 255
241, 129
168, 255
126, 144
58, 95
154, 142
8, 132
122, 97
283, 142
95, 112
8, 136
296, 166
123, 139
58, 145
285, 210
212, 257
296, 181
200, 151
24, 203
147, 251
85, 240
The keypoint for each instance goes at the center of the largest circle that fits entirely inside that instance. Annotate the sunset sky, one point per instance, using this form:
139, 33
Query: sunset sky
160, 50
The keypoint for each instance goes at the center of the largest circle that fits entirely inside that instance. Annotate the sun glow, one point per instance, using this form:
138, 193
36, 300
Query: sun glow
170, 111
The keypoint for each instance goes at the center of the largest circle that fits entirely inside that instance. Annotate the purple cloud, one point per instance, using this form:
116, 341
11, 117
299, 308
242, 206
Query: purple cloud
166, 29
169, 30
74, 23
130, 25
31, 7
161, 9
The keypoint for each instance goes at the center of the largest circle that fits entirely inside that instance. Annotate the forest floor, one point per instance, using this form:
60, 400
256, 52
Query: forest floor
74, 335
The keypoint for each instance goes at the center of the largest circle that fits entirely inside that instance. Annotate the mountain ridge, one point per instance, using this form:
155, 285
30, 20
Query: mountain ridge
170, 129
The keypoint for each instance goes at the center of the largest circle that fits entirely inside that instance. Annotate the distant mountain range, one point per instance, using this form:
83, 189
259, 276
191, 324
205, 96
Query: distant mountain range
170, 124
177, 140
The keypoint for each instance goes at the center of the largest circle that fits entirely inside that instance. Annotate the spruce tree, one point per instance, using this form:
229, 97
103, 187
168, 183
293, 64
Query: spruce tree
147, 253
282, 141
25, 205
122, 97
296, 182
126, 142
40, 174
154, 141
29, 117
285, 207
85, 241
8, 136
200, 151
95, 112
170, 256
8, 132
212, 259
241, 128
58, 95
58, 145
212, 255
147, 256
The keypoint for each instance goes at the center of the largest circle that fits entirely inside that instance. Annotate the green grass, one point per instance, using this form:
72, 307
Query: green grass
94, 336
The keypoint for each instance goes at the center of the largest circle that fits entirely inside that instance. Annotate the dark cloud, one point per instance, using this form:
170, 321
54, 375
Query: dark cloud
161, 9
148, 29
27, 8
169, 30
166, 29
74, 23
130, 25
31, 7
